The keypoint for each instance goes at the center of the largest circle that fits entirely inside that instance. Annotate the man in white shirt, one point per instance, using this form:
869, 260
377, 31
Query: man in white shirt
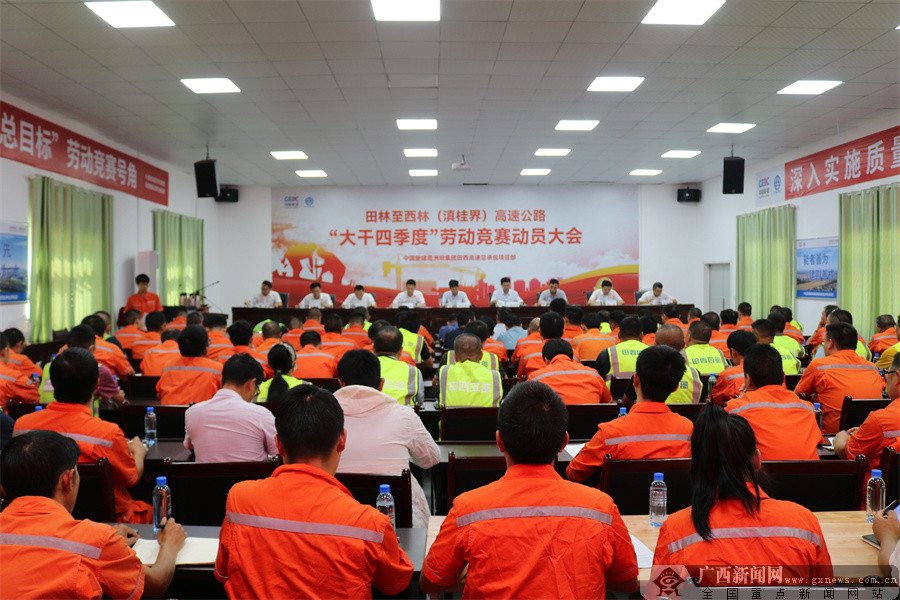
382, 435
506, 296
453, 298
229, 427
551, 294
267, 298
605, 296
315, 298
359, 297
412, 297
657, 296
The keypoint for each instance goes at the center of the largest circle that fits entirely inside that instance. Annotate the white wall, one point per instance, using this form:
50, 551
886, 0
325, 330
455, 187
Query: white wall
245, 246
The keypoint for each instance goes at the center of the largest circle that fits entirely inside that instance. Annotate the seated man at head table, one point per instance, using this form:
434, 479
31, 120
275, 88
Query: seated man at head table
190, 376
359, 298
605, 296
411, 298
48, 554
551, 293
656, 296
325, 543
267, 297
532, 534
315, 298
506, 296
453, 298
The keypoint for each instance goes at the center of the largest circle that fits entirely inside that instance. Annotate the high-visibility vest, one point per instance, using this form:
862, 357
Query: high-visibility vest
401, 380
706, 359
488, 359
623, 358
788, 344
469, 384
789, 363
863, 350
689, 388
412, 344
46, 390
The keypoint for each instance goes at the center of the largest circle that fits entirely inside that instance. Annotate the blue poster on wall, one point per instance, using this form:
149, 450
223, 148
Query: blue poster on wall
817, 265
13, 262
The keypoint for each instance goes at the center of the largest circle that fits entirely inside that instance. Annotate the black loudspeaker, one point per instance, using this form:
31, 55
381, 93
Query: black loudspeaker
733, 175
207, 179
227, 195
688, 195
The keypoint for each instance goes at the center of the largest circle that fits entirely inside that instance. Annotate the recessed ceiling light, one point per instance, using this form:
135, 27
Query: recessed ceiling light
312, 173
731, 128
615, 84
423, 172
681, 154
211, 85
810, 87
576, 125
645, 172
406, 10
289, 155
406, 124
552, 152
139, 13
420, 152
531, 172
682, 12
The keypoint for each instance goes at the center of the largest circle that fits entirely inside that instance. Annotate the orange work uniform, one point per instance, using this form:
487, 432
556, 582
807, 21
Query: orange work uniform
494, 347
527, 345
796, 334
727, 328
292, 337
429, 339
745, 323
140, 347
785, 426
816, 339
532, 361
112, 356
649, 339
128, 335
780, 534
728, 385
47, 554
532, 534
575, 383
570, 332
14, 386
844, 373
325, 543
719, 341
884, 340
337, 345
311, 325
145, 303
159, 356
314, 363
588, 346
177, 323
96, 439
356, 333
677, 323
649, 430
880, 430
262, 359
23, 365
219, 346
264, 346
189, 379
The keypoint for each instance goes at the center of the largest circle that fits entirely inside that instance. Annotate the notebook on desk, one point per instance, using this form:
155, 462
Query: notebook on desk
196, 551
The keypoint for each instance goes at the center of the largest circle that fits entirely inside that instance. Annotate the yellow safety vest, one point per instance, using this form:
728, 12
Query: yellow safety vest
488, 359
265, 385
469, 384
705, 358
623, 358
401, 380
689, 388
412, 344
863, 350
887, 357
788, 344
46, 390
605, 328
789, 363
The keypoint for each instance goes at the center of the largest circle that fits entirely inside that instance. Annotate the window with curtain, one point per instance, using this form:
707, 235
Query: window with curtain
766, 267
71, 255
869, 261
178, 240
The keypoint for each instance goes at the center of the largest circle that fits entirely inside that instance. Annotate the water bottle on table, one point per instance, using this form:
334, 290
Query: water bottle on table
385, 503
162, 503
875, 492
658, 495
622, 411
818, 408
150, 426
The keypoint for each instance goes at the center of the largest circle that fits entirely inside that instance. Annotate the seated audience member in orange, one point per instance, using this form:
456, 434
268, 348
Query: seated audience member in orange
528, 343
429, 339
191, 377
292, 336
572, 323
333, 342
650, 429
592, 342
574, 382
220, 347
81, 336
495, 347
355, 330
785, 426
816, 339
649, 326
133, 330
552, 325
241, 333
13, 385
74, 375
325, 543
842, 372
313, 321
729, 318
790, 329
18, 361
880, 430
48, 554
180, 320
730, 382
886, 335
271, 334
161, 354
312, 361
672, 317
531, 534
745, 321
155, 323
732, 521
106, 353
143, 301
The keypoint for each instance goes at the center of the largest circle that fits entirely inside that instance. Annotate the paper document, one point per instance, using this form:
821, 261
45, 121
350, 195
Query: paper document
644, 554
196, 551
573, 449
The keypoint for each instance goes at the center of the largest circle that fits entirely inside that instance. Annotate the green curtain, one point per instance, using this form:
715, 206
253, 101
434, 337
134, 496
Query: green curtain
869, 263
72, 255
766, 264
178, 240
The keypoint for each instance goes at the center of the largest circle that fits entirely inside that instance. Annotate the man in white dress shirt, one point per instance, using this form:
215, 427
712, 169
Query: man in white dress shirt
551, 294
605, 296
506, 296
315, 298
267, 298
657, 296
359, 297
412, 297
453, 298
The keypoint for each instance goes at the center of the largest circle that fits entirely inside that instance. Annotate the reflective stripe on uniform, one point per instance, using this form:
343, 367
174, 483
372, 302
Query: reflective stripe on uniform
652, 437
322, 354
747, 532
46, 541
735, 376
195, 369
891, 434
347, 531
864, 367
698, 386
751, 405
591, 373
520, 512
78, 437
7, 377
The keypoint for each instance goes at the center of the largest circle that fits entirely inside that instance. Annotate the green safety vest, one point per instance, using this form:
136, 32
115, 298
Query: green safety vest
689, 388
488, 359
469, 384
706, 359
412, 344
46, 390
605, 328
265, 385
401, 380
863, 350
788, 344
789, 363
623, 358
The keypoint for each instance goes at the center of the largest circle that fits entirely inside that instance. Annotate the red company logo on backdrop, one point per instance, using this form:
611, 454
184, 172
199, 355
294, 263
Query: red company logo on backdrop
29, 139
872, 157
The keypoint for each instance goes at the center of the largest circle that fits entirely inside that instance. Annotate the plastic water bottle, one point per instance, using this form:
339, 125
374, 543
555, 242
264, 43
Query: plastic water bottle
658, 495
622, 411
150, 426
385, 503
875, 491
38, 407
818, 408
162, 503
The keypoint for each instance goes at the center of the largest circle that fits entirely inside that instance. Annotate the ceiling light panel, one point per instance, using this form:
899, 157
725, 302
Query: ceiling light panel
211, 85
137, 13
552, 152
731, 128
312, 173
681, 154
406, 10
416, 124
420, 152
645, 172
615, 84
423, 172
289, 155
534, 172
682, 12
810, 87
576, 125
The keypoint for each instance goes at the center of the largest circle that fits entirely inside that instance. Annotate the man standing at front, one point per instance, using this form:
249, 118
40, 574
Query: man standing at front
143, 301
531, 534
325, 544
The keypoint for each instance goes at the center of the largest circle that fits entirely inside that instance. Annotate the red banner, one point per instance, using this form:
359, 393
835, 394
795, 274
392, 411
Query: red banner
29, 139
872, 157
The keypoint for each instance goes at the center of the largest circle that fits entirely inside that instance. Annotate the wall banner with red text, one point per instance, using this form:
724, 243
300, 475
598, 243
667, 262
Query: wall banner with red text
380, 237
868, 158
29, 139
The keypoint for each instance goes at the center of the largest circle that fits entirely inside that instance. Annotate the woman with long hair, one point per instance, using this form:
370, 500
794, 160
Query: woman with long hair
282, 358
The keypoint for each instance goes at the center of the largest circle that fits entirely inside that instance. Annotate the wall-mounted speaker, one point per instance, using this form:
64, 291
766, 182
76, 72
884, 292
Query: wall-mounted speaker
207, 179
733, 175
227, 195
688, 195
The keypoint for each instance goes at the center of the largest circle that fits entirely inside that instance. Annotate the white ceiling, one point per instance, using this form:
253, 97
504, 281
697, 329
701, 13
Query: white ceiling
322, 76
